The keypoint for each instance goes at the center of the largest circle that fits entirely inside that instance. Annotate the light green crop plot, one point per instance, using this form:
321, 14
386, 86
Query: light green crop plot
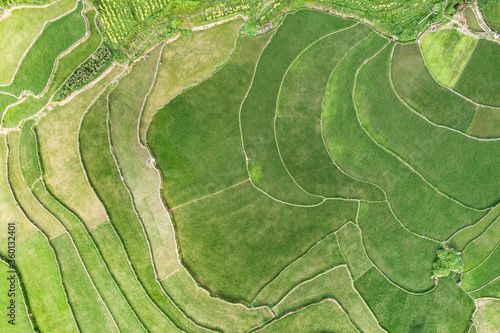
22, 322
211, 311
446, 52
36, 67
20, 28
324, 316
486, 318
323, 255
66, 65
185, 61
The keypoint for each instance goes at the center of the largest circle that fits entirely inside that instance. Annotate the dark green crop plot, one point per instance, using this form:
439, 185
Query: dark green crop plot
322, 256
488, 270
206, 119
298, 32
238, 240
37, 66
382, 235
415, 85
479, 80
475, 165
491, 13
446, 309
324, 316
421, 209
298, 123
487, 123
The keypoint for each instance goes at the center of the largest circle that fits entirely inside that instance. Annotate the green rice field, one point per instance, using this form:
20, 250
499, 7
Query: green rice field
281, 169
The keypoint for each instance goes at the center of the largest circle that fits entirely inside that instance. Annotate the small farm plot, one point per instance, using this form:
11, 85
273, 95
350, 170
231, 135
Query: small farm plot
479, 80
36, 67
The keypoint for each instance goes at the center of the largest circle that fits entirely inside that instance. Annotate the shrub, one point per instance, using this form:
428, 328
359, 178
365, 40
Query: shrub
447, 260
86, 72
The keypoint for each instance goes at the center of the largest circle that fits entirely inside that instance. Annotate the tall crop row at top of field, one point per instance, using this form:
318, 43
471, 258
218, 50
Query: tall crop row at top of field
133, 26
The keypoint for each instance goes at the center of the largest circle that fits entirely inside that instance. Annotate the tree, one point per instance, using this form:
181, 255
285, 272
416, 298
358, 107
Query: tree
447, 260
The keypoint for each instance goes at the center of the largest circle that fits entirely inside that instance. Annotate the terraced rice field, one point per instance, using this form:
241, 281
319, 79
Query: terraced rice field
301, 180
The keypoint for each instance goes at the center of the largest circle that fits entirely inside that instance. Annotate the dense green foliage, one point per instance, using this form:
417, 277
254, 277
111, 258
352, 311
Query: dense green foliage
447, 260
86, 72
491, 13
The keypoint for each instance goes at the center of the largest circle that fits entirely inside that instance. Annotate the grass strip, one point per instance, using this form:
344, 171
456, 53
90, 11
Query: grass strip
106, 180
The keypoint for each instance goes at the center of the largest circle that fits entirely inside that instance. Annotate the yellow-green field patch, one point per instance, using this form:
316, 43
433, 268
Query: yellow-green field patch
446, 52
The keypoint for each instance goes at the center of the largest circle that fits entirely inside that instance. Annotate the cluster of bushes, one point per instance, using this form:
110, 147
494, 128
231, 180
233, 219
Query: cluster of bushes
447, 260
86, 72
